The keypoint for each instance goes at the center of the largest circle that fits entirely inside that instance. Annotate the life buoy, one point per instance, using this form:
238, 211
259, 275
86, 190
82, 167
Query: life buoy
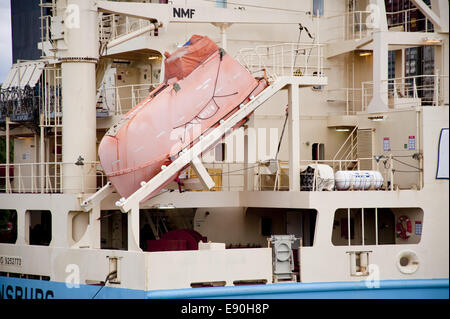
401, 231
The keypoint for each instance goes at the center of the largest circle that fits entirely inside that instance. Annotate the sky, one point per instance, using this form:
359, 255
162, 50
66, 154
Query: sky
5, 39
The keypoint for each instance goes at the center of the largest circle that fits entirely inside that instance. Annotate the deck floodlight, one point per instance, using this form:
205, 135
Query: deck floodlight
79, 161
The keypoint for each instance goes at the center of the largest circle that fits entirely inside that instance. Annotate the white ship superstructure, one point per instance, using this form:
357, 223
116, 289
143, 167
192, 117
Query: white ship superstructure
340, 173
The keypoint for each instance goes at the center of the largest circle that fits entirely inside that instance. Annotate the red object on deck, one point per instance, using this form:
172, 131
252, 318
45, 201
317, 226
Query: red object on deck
166, 245
203, 86
179, 239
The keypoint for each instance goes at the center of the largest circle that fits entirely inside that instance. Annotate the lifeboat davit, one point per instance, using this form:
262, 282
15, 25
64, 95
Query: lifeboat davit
202, 85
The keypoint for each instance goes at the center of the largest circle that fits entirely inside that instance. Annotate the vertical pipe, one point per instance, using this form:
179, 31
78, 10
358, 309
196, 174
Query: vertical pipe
363, 261
47, 168
41, 155
294, 137
299, 258
133, 229
360, 25
391, 171
362, 225
348, 226
352, 263
346, 101
419, 148
223, 34
7, 182
79, 93
376, 226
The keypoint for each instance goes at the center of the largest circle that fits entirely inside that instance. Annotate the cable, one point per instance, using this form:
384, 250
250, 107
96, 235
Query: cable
419, 169
300, 29
206, 104
262, 7
238, 170
399, 171
108, 278
281, 138
226, 95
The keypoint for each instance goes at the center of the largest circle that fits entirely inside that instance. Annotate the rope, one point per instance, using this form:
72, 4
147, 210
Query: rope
407, 164
108, 278
281, 137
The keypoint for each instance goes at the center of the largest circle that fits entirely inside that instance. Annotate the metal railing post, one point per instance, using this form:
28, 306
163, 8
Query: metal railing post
346, 101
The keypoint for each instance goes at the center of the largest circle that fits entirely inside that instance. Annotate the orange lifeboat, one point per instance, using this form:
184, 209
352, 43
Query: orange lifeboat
202, 86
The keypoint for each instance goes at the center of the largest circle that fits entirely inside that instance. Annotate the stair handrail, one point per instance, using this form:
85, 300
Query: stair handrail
345, 142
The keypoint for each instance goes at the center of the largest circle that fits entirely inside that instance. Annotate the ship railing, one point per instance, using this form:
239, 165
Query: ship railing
47, 7
348, 151
278, 180
351, 25
409, 91
349, 97
48, 177
268, 175
51, 96
120, 99
408, 20
228, 176
45, 28
113, 26
285, 59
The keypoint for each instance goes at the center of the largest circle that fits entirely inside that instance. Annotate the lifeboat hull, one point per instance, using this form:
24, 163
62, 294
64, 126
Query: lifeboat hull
171, 119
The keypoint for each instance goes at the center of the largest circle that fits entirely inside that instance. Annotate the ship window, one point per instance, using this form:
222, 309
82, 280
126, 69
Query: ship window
266, 226
376, 226
317, 8
40, 227
302, 224
113, 230
8, 226
318, 151
219, 152
221, 3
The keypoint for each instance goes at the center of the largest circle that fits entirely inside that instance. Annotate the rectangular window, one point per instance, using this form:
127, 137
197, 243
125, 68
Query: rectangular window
219, 152
113, 230
377, 226
318, 151
266, 226
221, 3
317, 8
8, 226
40, 227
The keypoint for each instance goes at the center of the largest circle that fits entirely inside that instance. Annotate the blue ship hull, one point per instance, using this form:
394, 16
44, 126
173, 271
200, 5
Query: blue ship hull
17, 288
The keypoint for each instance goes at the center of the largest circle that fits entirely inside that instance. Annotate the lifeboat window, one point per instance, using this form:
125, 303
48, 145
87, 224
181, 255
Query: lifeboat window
8, 226
40, 227
377, 226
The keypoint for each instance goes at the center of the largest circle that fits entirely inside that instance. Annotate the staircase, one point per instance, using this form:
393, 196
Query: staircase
346, 158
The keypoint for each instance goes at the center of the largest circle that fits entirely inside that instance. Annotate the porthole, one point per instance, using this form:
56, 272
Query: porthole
407, 262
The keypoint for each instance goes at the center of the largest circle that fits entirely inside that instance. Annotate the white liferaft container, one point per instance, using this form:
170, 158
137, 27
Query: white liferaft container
358, 180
